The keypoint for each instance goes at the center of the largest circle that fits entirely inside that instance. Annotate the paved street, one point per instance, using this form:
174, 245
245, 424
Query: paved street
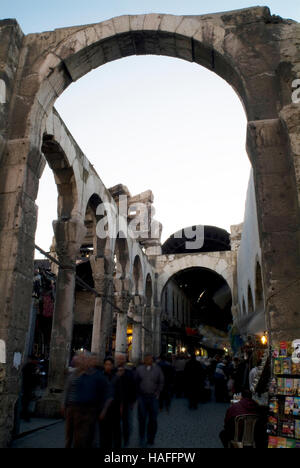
181, 428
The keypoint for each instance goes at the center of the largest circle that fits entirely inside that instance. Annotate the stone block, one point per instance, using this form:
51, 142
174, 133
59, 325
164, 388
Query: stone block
49, 407
126, 44
188, 27
72, 44
137, 22
106, 29
45, 67
13, 178
144, 197
80, 64
151, 43
121, 24
111, 49
152, 22
170, 23
2, 92
167, 43
184, 48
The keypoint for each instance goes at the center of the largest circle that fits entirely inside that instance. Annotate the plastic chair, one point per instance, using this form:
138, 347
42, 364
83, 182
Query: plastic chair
244, 431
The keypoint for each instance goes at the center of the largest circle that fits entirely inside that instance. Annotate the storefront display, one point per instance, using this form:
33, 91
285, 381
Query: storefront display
284, 403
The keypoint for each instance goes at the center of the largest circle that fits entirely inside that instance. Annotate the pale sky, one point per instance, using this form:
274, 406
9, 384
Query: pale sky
152, 122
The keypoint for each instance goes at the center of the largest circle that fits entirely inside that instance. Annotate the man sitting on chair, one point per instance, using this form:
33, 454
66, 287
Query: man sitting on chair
245, 406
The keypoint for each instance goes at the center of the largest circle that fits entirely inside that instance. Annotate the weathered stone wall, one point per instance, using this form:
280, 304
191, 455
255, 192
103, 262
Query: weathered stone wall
11, 38
249, 254
84, 308
173, 295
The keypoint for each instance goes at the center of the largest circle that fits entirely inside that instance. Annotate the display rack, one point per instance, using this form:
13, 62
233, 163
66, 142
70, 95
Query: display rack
284, 399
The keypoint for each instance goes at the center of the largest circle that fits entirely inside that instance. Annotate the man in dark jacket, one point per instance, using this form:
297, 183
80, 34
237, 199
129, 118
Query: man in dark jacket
150, 383
194, 377
169, 376
87, 397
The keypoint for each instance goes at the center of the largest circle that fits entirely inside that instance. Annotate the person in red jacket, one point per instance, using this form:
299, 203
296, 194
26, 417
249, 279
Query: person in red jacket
245, 406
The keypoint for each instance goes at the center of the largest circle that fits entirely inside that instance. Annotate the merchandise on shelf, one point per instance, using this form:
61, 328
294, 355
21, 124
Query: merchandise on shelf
284, 399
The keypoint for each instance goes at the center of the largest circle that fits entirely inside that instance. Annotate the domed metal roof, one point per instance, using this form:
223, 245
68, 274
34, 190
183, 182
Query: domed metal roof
214, 239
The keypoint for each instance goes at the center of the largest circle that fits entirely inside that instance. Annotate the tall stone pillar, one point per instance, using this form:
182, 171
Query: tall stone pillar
69, 237
147, 333
18, 217
122, 301
121, 336
137, 331
157, 331
279, 225
102, 274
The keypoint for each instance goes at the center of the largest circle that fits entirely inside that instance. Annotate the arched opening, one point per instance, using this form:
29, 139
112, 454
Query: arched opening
199, 313
259, 292
78, 61
121, 329
56, 176
84, 298
244, 308
138, 286
183, 127
121, 258
250, 309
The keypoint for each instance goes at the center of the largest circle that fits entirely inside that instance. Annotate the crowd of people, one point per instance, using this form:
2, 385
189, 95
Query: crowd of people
99, 398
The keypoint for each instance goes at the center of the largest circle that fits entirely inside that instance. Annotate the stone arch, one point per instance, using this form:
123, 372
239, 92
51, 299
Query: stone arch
212, 303
221, 263
209, 40
238, 46
63, 174
90, 222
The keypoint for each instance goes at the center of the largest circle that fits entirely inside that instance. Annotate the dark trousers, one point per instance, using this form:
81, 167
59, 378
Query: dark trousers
80, 426
126, 421
221, 391
110, 429
147, 411
115, 429
225, 438
26, 400
179, 384
165, 399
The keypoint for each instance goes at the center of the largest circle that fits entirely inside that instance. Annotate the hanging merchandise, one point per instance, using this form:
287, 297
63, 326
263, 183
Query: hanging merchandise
284, 403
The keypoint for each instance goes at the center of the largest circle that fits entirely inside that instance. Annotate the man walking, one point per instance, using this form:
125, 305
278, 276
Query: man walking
150, 383
125, 397
87, 397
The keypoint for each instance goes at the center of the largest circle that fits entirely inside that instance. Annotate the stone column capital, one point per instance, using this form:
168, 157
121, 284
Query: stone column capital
122, 300
98, 265
69, 236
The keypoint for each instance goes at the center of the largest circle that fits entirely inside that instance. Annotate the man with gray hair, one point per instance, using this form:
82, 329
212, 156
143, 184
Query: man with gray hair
150, 383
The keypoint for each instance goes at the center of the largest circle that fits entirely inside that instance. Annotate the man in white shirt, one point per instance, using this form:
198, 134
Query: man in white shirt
253, 376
